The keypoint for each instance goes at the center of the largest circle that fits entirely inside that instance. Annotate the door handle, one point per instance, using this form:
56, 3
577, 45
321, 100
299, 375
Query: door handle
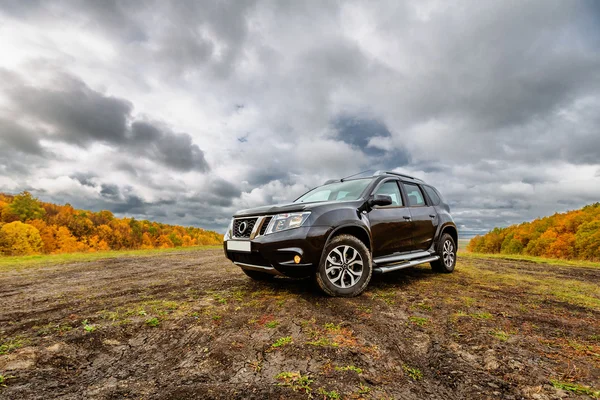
432, 215
406, 217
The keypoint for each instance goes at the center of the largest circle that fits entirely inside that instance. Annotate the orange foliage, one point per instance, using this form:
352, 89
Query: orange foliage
63, 229
571, 235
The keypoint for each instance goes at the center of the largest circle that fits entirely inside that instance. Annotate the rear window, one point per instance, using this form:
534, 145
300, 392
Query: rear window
435, 198
415, 197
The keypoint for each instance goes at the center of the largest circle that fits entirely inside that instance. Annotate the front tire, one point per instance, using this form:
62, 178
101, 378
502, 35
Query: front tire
345, 268
257, 275
446, 250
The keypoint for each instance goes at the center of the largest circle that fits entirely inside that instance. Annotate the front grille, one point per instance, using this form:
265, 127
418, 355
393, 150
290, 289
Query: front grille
249, 258
265, 224
242, 228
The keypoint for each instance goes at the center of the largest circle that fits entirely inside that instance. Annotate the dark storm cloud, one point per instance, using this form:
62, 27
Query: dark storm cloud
175, 150
18, 138
358, 131
109, 190
85, 179
82, 116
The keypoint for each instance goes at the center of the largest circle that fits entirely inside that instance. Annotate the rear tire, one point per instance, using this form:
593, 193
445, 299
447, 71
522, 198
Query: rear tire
258, 276
345, 268
446, 249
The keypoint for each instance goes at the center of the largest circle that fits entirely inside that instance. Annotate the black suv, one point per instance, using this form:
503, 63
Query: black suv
344, 231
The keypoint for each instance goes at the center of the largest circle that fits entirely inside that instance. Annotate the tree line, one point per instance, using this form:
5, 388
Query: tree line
30, 226
571, 235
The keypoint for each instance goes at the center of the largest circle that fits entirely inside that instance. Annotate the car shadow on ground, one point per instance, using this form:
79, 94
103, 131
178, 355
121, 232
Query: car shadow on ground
306, 287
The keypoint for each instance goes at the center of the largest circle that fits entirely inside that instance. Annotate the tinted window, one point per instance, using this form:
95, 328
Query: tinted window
391, 189
415, 197
432, 195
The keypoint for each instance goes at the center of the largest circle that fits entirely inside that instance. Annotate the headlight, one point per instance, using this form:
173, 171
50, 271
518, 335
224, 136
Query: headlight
281, 222
229, 229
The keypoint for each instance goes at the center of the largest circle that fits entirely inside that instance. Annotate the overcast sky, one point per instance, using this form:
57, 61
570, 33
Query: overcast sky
185, 111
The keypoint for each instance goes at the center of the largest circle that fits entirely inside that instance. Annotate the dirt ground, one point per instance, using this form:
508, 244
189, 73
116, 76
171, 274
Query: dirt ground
191, 325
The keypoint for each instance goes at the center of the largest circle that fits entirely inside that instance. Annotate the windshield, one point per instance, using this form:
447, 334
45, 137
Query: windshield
338, 191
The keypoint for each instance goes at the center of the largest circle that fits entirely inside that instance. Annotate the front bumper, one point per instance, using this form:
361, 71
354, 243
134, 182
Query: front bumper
274, 253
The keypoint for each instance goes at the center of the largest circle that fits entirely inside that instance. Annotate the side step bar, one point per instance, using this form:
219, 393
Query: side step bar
395, 267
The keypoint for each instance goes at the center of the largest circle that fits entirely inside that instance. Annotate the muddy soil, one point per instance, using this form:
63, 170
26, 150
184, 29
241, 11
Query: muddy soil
192, 325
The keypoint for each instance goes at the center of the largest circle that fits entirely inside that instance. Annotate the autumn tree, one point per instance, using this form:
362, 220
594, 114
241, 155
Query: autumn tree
17, 239
26, 207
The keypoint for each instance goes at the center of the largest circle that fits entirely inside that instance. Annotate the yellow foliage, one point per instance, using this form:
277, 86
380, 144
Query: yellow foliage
17, 239
570, 235
64, 229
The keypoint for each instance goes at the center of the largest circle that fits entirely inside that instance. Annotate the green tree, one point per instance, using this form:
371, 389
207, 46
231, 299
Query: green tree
26, 207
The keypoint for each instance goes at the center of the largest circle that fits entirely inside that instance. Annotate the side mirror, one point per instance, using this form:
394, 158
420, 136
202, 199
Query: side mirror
380, 200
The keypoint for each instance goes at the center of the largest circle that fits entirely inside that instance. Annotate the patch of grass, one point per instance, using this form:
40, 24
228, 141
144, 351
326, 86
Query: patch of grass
216, 317
365, 309
296, 381
3, 379
331, 395
333, 328
414, 373
13, 262
595, 337
272, 324
481, 315
11, 344
282, 341
386, 295
539, 260
219, 298
363, 389
422, 306
153, 322
420, 321
52, 328
349, 368
88, 327
323, 342
469, 301
500, 335
571, 291
576, 388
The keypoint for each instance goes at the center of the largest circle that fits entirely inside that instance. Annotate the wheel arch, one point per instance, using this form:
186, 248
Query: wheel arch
452, 231
357, 231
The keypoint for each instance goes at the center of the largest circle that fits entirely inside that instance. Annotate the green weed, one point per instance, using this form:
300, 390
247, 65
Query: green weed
332, 395
153, 322
420, 321
323, 342
88, 327
576, 388
501, 335
414, 373
272, 324
282, 341
363, 389
349, 368
10, 345
296, 381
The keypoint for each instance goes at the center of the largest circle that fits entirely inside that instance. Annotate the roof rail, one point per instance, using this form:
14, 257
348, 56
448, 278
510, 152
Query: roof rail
331, 181
377, 173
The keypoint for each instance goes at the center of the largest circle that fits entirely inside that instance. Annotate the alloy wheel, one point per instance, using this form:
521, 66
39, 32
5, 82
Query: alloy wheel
344, 266
448, 254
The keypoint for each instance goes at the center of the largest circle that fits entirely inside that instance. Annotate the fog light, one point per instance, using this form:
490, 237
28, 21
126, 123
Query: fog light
297, 259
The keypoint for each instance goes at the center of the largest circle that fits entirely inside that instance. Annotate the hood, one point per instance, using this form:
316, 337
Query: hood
285, 208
